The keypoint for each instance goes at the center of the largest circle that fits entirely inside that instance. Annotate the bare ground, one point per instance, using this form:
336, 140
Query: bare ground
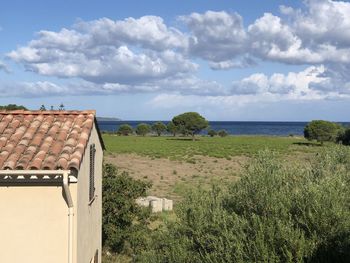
171, 178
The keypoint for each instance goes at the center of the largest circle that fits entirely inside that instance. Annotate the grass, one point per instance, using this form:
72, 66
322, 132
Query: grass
186, 149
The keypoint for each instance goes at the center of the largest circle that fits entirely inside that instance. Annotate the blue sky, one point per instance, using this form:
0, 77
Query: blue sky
148, 60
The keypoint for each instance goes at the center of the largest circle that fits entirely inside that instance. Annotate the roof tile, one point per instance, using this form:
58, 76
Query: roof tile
44, 139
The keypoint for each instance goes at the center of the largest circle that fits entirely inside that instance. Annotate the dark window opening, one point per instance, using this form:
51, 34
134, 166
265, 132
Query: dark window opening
92, 172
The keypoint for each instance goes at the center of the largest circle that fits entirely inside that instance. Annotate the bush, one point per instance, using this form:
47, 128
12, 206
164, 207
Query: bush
322, 131
142, 129
222, 133
125, 129
275, 213
344, 137
124, 227
212, 133
159, 128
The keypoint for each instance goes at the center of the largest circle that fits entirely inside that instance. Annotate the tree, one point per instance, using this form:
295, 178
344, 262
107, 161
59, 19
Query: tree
61, 107
159, 128
172, 128
124, 222
11, 107
190, 122
142, 129
344, 137
125, 129
222, 133
322, 131
42, 107
212, 133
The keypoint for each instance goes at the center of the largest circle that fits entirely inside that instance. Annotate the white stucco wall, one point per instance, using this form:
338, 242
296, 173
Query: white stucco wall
33, 224
89, 215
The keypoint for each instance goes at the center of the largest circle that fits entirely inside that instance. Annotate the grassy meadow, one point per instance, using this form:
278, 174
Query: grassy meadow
176, 164
182, 148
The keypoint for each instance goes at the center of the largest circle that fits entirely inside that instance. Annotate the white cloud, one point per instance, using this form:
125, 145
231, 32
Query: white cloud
146, 32
105, 51
216, 36
145, 55
293, 86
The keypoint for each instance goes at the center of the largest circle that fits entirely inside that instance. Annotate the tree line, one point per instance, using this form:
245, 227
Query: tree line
186, 124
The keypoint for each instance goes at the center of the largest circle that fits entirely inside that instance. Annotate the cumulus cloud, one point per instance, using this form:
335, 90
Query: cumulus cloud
146, 55
131, 51
216, 36
294, 85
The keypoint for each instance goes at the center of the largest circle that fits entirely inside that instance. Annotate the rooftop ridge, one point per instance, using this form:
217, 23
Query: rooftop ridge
47, 112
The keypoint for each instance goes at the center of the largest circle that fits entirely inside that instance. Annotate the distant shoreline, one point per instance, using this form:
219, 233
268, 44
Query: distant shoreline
107, 119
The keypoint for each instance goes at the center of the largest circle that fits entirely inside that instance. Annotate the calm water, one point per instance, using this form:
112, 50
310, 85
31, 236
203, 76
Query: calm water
232, 127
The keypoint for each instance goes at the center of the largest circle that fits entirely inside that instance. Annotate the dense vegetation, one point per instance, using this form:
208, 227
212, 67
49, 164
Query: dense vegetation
275, 213
125, 130
124, 223
322, 131
142, 129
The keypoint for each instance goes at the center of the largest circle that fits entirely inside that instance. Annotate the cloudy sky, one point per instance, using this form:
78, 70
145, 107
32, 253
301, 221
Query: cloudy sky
147, 60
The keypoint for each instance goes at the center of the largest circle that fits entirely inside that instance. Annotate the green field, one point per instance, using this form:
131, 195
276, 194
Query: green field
181, 148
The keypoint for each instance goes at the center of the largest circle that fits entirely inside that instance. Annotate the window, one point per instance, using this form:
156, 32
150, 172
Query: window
92, 172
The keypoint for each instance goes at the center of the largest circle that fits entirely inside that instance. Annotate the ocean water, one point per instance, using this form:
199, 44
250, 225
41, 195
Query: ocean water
232, 127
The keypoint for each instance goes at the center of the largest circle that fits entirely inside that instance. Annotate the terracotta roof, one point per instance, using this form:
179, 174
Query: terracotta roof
44, 140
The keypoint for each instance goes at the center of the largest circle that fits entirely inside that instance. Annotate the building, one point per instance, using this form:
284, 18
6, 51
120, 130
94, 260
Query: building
50, 187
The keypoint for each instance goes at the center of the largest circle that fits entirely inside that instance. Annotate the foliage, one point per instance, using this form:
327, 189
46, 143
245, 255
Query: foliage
212, 133
322, 131
222, 133
142, 129
275, 213
344, 137
10, 107
190, 122
226, 147
125, 130
159, 127
172, 128
124, 227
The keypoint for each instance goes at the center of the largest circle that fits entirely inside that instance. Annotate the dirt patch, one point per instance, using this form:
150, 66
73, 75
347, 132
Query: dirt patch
170, 178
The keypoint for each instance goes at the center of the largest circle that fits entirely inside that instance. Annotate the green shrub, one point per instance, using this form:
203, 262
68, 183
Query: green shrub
124, 228
212, 133
159, 128
125, 129
222, 133
142, 129
322, 131
344, 137
274, 213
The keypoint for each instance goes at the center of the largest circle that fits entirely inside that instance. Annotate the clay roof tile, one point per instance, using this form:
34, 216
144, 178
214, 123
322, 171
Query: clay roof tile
44, 139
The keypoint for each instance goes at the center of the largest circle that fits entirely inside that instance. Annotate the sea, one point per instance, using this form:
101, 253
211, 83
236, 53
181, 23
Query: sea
232, 127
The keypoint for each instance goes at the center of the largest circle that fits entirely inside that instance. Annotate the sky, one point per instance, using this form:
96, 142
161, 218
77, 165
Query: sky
253, 60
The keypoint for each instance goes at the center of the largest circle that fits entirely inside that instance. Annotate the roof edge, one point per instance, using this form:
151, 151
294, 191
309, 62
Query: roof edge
99, 134
48, 112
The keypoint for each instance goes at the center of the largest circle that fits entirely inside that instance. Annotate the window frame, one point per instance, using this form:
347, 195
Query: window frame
92, 187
